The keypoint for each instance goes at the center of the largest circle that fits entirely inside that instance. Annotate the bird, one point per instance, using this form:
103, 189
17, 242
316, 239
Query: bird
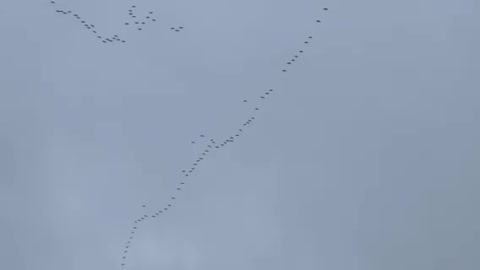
325, 8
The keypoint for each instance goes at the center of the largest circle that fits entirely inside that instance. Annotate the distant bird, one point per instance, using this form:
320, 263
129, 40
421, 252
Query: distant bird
143, 205
244, 100
325, 8
318, 21
284, 70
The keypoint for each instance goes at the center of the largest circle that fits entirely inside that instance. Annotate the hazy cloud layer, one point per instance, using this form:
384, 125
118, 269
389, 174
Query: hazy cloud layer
366, 157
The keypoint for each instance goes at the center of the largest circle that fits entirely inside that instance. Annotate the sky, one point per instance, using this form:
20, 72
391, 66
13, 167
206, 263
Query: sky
364, 156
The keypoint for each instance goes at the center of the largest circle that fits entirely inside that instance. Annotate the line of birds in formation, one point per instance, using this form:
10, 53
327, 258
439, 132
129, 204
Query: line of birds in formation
210, 146
135, 20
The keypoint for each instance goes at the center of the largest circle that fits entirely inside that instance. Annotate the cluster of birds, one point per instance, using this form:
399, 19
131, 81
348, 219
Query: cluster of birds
137, 21
210, 145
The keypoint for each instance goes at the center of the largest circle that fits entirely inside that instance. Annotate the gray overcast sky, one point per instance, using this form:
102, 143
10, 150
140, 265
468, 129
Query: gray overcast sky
364, 157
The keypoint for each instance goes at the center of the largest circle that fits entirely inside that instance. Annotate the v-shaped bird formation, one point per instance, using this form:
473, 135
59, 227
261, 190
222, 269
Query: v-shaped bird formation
135, 22
211, 145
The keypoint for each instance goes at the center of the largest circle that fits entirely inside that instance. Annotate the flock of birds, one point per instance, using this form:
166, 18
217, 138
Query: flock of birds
210, 144
135, 20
